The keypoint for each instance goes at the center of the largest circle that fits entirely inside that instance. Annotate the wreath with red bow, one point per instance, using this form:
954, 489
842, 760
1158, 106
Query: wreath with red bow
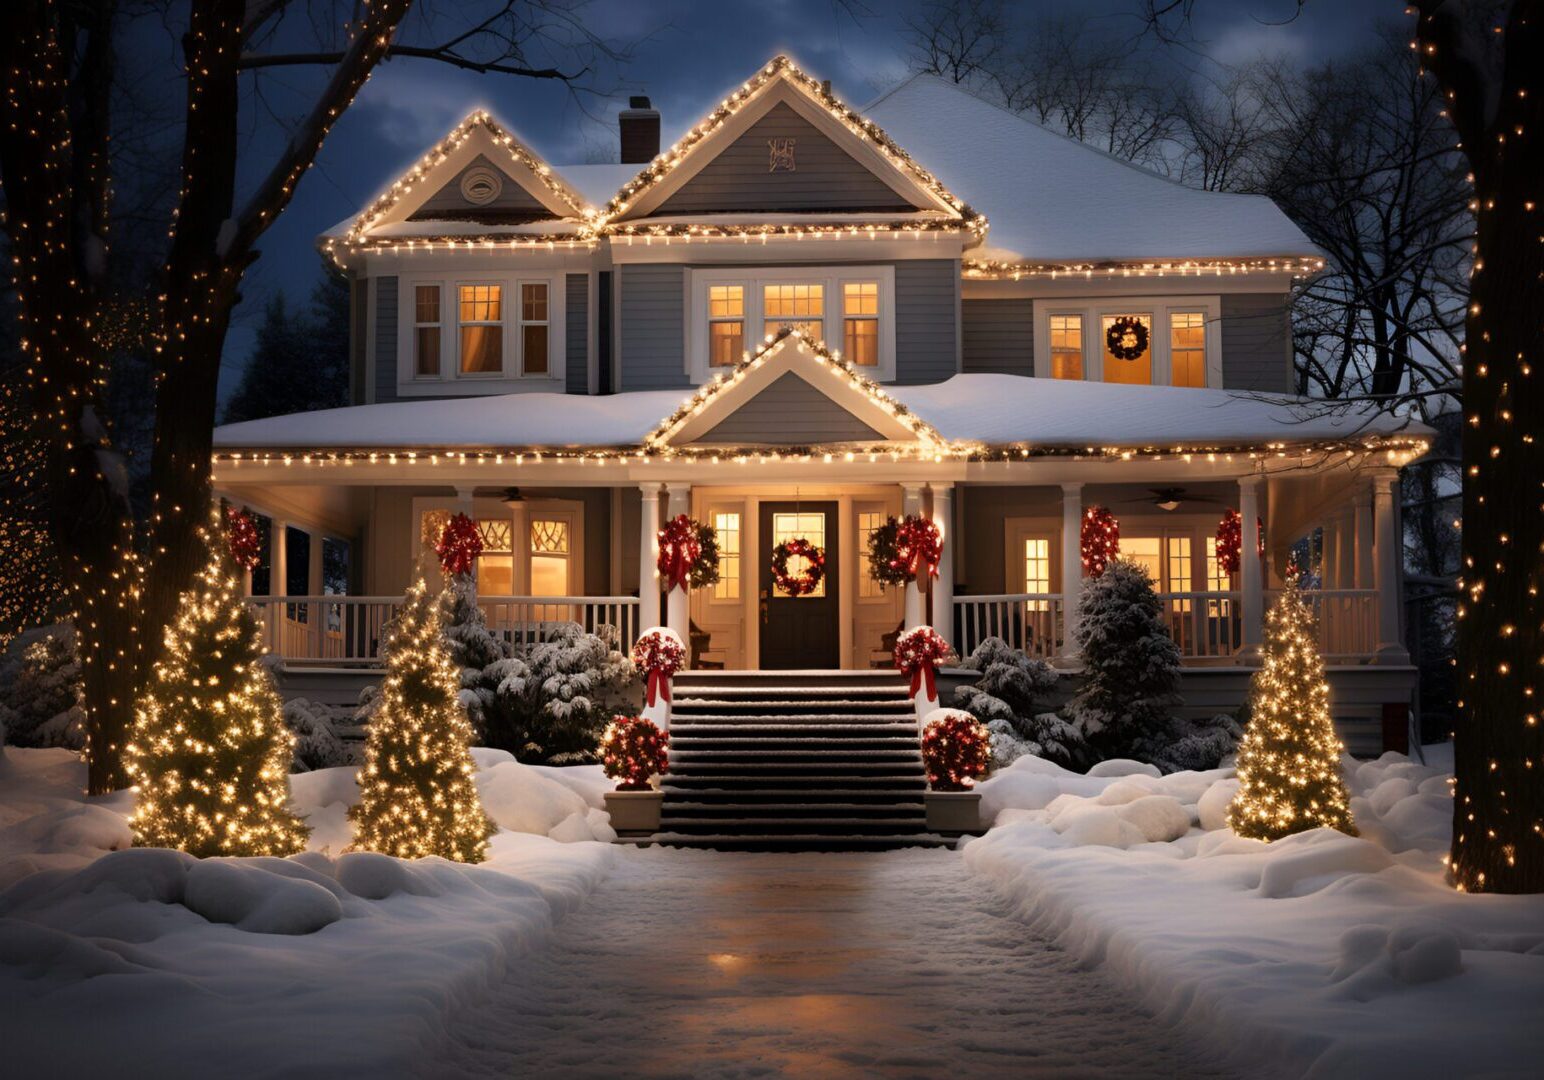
659, 654
814, 566
688, 554
1127, 338
918, 652
1230, 541
1099, 539
459, 545
901, 552
242, 539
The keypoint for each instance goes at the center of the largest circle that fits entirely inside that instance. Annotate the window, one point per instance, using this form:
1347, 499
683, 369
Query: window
496, 564
1135, 362
1179, 571
1066, 346
728, 528
482, 329
533, 328
810, 526
1147, 552
868, 524
1187, 348
801, 306
426, 331
726, 325
1037, 570
860, 322
549, 557
1216, 581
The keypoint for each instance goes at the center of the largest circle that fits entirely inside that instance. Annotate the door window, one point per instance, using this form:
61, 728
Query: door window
810, 526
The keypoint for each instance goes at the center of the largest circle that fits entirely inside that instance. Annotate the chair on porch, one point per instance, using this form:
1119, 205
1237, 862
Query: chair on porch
884, 656
703, 656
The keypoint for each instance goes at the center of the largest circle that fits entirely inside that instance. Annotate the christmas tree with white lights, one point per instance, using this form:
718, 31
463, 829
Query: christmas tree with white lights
418, 793
1289, 762
209, 752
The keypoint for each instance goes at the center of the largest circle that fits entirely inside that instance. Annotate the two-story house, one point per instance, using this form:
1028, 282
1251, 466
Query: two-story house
969, 317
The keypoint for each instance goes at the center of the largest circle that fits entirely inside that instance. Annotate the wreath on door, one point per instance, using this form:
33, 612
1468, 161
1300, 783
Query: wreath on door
804, 583
1127, 338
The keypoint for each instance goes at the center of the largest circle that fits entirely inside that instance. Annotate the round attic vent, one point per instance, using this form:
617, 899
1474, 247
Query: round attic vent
481, 186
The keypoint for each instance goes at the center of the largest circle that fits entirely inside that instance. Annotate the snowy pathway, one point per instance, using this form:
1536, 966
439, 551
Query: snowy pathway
691, 963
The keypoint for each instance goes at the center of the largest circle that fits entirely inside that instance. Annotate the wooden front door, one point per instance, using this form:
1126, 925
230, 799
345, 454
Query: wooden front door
800, 631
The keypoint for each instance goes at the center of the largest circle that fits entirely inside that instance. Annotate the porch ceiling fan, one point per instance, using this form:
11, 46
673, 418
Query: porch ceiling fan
1170, 498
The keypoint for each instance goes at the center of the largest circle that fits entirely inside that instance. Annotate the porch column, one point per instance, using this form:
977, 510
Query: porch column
943, 585
911, 503
648, 556
1386, 568
1345, 568
520, 547
679, 608
278, 585
314, 587
1071, 568
1252, 583
1364, 573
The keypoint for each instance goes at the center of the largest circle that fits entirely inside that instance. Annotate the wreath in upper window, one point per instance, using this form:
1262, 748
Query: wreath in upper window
1127, 338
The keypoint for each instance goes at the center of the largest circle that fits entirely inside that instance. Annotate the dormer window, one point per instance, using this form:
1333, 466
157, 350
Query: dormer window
482, 329
726, 325
1137, 340
426, 331
801, 306
860, 322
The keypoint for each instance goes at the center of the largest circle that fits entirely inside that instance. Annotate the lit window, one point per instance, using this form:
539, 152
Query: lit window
1128, 348
802, 307
1217, 580
426, 331
811, 527
726, 325
727, 526
533, 328
549, 557
482, 329
1066, 346
1179, 571
868, 524
1037, 570
1147, 552
860, 322
496, 564
1187, 347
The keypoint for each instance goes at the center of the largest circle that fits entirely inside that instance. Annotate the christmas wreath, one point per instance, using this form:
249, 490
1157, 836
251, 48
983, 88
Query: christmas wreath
1126, 338
659, 654
956, 749
1230, 541
901, 552
459, 545
241, 536
814, 566
1100, 539
918, 652
632, 750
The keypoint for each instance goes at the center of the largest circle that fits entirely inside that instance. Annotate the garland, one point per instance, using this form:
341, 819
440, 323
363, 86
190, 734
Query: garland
241, 536
659, 654
632, 750
679, 551
1100, 539
814, 566
1230, 541
956, 749
459, 545
1126, 338
918, 653
901, 552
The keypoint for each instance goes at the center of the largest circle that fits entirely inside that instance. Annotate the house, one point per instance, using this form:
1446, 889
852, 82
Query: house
796, 321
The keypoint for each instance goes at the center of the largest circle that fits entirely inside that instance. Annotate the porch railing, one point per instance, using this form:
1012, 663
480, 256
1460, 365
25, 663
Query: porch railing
1028, 621
347, 631
1348, 622
1204, 624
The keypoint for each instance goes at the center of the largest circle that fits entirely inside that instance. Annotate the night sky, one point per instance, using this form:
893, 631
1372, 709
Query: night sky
685, 56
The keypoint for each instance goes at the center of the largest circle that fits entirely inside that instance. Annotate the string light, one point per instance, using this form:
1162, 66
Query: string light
990, 269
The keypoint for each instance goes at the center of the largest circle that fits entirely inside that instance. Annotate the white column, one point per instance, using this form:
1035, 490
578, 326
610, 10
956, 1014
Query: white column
911, 503
520, 548
1252, 571
943, 585
679, 607
1364, 572
648, 558
278, 558
1386, 566
1071, 568
314, 611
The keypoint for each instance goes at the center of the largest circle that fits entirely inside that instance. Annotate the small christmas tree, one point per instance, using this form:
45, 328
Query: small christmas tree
1289, 761
418, 796
209, 752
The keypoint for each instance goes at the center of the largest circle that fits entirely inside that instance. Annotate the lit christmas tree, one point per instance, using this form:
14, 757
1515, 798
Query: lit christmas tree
209, 752
418, 796
1289, 761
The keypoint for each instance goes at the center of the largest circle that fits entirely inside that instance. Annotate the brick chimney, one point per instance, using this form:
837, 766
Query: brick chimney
640, 131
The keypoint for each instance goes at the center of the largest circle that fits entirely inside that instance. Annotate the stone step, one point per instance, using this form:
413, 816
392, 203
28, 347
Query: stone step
732, 806
683, 706
898, 792
758, 740
750, 841
898, 825
774, 727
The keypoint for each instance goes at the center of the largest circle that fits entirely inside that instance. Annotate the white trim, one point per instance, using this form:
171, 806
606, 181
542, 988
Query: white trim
451, 380
832, 278
1095, 309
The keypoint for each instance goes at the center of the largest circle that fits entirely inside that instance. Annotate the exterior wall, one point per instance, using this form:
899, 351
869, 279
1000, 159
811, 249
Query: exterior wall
358, 359
982, 512
825, 177
789, 412
513, 202
1256, 342
998, 336
577, 350
385, 293
653, 327
927, 305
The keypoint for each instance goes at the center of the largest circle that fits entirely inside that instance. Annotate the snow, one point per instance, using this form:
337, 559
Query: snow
1321, 954
1050, 198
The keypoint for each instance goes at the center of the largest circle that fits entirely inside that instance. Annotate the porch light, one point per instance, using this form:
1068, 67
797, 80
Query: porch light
512, 498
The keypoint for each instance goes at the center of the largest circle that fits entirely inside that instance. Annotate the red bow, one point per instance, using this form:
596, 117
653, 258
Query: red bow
925, 673
658, 686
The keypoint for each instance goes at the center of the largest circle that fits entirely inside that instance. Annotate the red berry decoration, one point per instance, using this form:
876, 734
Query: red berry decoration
956, 749
679, 550
459, 545
659, 654
814, 566
901, 552
632, 750
1230, 541
1100, 539
918, 652
241, 536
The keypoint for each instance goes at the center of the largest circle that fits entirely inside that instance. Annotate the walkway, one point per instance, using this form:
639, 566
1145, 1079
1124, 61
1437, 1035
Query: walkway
700, 963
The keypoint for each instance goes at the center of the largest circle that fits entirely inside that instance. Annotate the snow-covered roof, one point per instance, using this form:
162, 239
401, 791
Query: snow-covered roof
1050, 198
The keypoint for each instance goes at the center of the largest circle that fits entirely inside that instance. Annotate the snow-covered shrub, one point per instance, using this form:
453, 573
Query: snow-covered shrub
1195, 745
1005, 701
551, 698
317, 743
41, 693
1131, 664
473, 647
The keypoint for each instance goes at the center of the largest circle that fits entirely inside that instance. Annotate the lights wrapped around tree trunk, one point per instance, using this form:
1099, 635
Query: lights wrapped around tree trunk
918, 652
1100, 539
901, 552
956, 749
659, 654
632, 750
459, 545
242, 539
688, 554
806, 581
1230, 541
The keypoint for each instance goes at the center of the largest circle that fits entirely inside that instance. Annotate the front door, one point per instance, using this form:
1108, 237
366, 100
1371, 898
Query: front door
800, 631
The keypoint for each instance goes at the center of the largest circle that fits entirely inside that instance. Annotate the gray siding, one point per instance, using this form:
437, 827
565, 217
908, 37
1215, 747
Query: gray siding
652, 334
926, 320
385, 337
513, 202
578, 336
825, 177
1256, 342
789, 412
358, 361
998, 336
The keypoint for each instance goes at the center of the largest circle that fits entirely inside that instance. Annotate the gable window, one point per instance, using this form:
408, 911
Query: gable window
482, 329
860, 322
426, 331
726, 325
1066, 346
533, 327
801, 306
1128, 348
1187, 348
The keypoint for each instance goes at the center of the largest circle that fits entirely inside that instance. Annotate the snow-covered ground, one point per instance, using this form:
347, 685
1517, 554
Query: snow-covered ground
143, 962
1321, 955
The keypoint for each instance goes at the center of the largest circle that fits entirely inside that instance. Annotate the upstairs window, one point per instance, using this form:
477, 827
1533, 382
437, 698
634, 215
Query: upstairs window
1066, 346
860, 322
482, 329
1128, 348
726, 325
533, 328
800, 306
1187, 348
426, 331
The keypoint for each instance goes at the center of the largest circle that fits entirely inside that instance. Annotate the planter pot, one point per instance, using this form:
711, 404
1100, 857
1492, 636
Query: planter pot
634, 813
953, 812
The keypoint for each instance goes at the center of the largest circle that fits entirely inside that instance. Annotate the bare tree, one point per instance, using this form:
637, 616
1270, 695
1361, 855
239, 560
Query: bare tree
958, 39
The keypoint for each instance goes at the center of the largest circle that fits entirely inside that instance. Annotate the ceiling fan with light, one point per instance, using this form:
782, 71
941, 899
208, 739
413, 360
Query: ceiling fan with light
1170, 498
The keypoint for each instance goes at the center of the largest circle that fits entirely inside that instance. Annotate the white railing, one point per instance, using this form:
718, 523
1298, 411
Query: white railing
1348, 622
1204, 624
348, 630
1028, 621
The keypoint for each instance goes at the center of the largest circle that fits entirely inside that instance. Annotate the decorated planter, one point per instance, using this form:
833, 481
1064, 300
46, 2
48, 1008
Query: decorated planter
636, 813
953, 813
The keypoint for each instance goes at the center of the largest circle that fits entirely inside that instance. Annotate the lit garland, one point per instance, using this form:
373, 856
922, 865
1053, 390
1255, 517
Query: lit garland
459, 545
683, 558
918, 652
1099, 539
659, 654
901, 552
241, 535
956, 750
632, 750
808, 579
418, 795
1230, 541
1296, 265
1289, 762
209, 752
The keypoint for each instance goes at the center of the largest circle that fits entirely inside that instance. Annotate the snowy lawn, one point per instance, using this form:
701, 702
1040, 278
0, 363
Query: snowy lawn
149, 962
1321, 955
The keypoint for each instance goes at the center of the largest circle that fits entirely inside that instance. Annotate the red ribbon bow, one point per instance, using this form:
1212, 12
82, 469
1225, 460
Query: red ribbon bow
658, 685
925, 673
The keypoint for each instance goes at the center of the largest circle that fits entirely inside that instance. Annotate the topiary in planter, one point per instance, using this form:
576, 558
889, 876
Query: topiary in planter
632, 750
956, 749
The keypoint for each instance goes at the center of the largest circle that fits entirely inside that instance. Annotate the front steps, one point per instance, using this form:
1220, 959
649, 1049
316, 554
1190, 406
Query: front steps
794, 761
